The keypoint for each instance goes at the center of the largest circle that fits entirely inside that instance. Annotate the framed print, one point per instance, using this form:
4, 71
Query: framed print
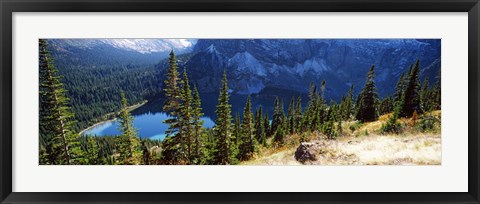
258, 102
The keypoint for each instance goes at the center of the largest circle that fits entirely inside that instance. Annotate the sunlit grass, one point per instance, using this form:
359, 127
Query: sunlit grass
363, 145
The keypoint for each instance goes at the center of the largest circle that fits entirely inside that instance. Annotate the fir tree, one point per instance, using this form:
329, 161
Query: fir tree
386, 106
61, 144
400, 88
310, 115
146, 154
172, 107
411, 99
424, 96
291, 116
92, 152
298, 115
436, 93
323, 89
367, 98
197, 121
223, 126
277, 116
280, 132
130, 152
246, 147
328, 128
349, 109
186, 114
266, 124
319, 114
260, 127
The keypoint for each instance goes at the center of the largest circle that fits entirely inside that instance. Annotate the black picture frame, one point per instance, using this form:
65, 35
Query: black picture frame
7, 8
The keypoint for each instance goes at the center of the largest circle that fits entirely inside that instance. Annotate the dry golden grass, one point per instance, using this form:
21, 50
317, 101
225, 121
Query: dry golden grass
365, 145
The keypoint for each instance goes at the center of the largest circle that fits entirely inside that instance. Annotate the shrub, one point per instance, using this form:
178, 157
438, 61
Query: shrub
427, 123
355, 126
392, 126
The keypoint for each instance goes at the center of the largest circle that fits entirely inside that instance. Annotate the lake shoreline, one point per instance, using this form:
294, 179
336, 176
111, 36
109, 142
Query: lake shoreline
129, 108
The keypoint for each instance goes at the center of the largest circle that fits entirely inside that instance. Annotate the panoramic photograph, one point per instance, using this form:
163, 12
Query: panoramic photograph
331, 102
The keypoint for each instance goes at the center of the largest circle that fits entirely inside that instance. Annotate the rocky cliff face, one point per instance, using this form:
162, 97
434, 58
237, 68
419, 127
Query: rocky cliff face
252, 65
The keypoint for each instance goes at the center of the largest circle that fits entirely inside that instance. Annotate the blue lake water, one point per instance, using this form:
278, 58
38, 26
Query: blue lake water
148, 125
148, 119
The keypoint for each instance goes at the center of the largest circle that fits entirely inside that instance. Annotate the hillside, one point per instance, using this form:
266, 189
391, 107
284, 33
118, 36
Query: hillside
365, 145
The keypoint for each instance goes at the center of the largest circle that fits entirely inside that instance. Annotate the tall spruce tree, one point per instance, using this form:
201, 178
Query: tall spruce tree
367, 98
349, 109
280, 131
436, 93
298, 115
266, 124
60, 144
277, 116
223, 126
246, 146
411, 100
172, 107
197, 121
260, 127
291, 116
425, 100
399, 89
92, 152
310, 115
186, 114
129, 145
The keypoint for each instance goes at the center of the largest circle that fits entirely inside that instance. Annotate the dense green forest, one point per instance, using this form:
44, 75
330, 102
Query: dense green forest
94, 80
232, 139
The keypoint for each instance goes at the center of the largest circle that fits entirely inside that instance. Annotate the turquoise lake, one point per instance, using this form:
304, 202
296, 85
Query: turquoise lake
148, 119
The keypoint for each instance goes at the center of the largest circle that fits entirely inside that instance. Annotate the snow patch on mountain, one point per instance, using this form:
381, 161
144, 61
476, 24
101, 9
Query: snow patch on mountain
315, 64
245, 62
138, 45
149, 45
249, 86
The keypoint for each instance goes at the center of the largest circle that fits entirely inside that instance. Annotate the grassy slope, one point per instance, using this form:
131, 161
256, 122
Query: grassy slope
363, 146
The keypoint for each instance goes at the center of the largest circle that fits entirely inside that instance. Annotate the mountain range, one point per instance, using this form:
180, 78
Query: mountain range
255, 66
292, 64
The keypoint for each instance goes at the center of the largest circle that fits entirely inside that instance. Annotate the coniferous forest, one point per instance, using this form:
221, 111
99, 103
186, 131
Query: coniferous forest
396, 123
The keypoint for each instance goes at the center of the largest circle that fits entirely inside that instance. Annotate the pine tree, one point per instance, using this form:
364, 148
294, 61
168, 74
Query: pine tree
309, 119
411, 100
172, 107
146, 154
246, 147
61, 144
323, 89
186, 114
298, 115
328, 128
367, 98
197, 121
424, 96
266, 124
223, 126
291, 116
130, 152
260, 127
277, 116
349, 109
436, 93
400, 88
237, 130
319, 114
92, 152
280, 131
385, 106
